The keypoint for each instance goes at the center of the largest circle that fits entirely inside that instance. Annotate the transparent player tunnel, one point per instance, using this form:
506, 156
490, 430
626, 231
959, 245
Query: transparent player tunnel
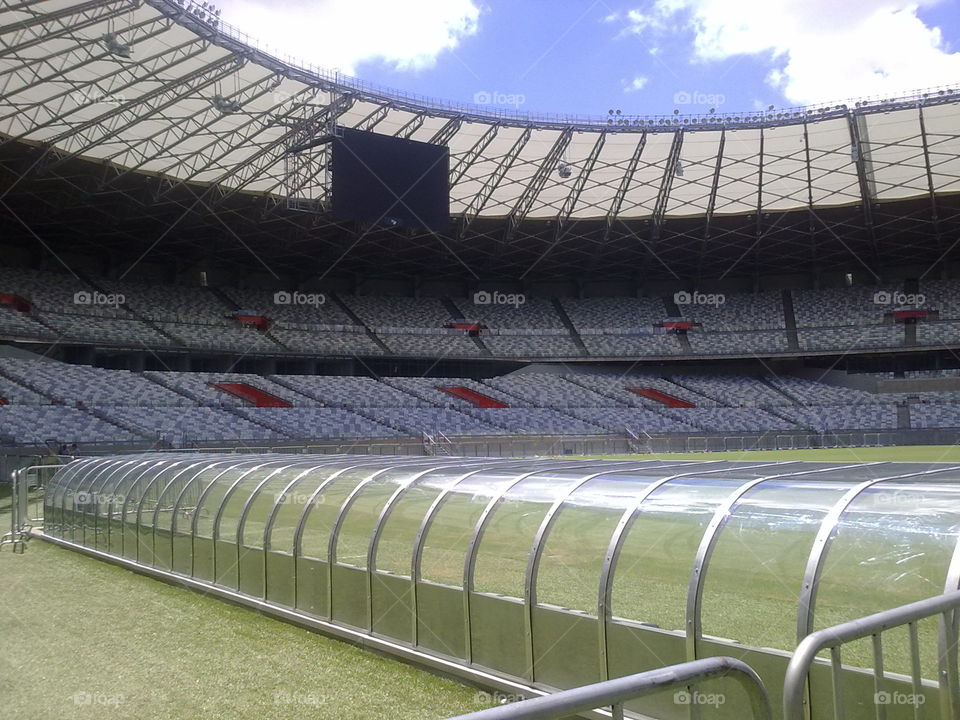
552, 573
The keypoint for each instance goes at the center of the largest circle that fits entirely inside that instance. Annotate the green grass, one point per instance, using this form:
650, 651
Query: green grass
74, 628
910, 453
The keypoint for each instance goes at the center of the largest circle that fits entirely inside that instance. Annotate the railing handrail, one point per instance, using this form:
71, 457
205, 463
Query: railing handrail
795, 680
619, 690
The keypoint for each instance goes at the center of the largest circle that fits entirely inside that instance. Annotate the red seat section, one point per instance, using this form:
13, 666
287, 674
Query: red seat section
261, 322
662, 398
254, 396
471, 396
15, 301
3, 400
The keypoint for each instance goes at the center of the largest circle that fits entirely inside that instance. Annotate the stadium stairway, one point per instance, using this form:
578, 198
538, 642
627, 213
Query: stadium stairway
457, 316
568, 324
355, 319
904, 421
30, 386
130, 427
252, 418
793, 401
695, 393
157, 379
599, 391
790, 322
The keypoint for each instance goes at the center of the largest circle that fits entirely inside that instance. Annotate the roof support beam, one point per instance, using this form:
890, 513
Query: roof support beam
411, 126
666, 182
461, 165
374, 118
85, 49
563, 217
70, 20
536, 184
444, 135
931, 188
493, 180
711, 202
621, 193
133, 112
201, 122
858, 150
56, 109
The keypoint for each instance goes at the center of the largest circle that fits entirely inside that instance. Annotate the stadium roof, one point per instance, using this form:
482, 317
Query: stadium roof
165, 90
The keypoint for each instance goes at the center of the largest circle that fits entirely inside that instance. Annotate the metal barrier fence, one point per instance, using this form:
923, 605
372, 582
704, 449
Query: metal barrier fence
544, 445
795, 695
27, 484
615, 692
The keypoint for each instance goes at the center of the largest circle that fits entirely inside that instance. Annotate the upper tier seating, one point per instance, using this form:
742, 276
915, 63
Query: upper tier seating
398, 312
632, 345
528, 346
738, 343
272, 304
434, 345
938, 333
173, 303
614, 313
323, 342
848, 338
757, 311
534, 314
942, 295
14, 323
840, 306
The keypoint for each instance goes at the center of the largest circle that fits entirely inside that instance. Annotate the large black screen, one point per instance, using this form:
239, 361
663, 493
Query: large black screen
390, 181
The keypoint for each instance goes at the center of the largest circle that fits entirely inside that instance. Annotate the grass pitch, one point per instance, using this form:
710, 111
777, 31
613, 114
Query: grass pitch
80, 638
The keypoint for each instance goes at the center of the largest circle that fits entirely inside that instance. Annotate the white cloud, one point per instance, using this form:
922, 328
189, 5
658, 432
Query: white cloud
819, 50
637, 83
341, 34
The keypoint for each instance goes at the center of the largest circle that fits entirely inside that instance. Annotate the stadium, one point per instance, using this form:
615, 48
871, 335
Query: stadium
643, 416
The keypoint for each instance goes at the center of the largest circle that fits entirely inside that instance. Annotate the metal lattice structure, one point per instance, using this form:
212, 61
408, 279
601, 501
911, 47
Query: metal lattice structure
121, 117
545, 574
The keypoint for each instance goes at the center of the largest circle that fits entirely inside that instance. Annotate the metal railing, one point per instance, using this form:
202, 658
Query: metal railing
22, 520
873, 626
613, 693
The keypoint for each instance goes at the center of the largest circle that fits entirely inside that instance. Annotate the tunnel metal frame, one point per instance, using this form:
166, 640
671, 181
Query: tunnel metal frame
142, 475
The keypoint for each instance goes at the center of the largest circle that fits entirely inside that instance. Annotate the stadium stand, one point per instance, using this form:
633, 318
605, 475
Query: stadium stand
48, 400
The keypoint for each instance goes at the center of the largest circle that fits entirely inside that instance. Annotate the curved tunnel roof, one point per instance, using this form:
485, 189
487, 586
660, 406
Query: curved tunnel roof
553, 572
151, 88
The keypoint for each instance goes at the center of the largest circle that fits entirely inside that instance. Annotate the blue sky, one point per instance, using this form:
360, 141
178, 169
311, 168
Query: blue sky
644, 57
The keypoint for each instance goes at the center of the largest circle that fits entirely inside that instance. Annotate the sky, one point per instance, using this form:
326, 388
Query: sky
643, 57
